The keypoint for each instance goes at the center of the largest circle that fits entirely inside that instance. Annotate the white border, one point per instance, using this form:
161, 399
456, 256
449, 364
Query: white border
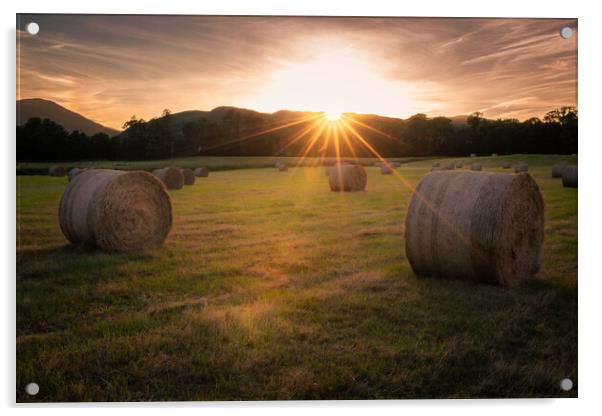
590, 137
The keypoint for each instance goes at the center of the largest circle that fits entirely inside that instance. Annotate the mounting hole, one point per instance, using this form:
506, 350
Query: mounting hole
566, 384
32, 389
32, 28
566, 32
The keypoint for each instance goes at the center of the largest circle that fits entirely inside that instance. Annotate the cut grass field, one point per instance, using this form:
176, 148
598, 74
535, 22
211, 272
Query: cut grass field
271, 286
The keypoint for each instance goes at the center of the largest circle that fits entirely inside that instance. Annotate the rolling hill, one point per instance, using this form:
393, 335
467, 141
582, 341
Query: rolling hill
70, 120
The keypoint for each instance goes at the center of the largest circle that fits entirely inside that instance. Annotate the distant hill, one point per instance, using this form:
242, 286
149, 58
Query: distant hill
70, 120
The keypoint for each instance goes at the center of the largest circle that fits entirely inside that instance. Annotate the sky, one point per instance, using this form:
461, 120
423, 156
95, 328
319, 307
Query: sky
109, 68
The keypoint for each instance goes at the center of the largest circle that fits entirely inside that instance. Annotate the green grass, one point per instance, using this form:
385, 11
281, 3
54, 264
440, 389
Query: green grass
272, 287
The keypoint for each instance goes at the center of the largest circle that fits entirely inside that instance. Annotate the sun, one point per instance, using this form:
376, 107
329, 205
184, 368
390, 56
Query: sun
333, 115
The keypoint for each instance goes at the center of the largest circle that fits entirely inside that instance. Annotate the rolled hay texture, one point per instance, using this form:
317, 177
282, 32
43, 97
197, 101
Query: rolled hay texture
557, 169
188, 175
56, 171
484, 227
569, 176
506, 165
172, 178
386, 169
347, 178
201, 172
521, 167
116, 210
476, 166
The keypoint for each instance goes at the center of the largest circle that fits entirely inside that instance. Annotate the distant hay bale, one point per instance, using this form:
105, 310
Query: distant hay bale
485, 227
201, 172
347, 178
56, 170
473, 155
116, 210
283, 167
506, 165
476, 166
436, 165
396, 165
494, 155
521, 167
459, 165
386, 169
557, 169
569, 176
450, 166
377, 164
172, 178
188, 175
435, 168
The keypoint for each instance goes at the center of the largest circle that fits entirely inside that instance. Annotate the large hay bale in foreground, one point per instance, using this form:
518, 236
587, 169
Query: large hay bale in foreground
56, 170
569, 176
521, 167
172, 178
557, 169
485, 227
116, 210
506, 165
73, 173
188, 175
476, 166
201, 172
347, 178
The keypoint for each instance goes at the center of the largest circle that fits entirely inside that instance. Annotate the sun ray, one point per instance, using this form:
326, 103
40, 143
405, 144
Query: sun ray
374, 129
348, 142
299, 136
311, 142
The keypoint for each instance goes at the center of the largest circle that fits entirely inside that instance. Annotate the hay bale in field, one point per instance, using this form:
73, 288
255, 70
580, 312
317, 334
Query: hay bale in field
473, 155
56, 170
116, 210
73, 173
494, 155
386, 170
201, 172
377, 164
569, 176
459, 165
476, 166
450, 166
485, 227
506, 165
188, 175
283, 167
435, 168
396, 165
347, 178
172, 178
557, 169
521, 167
436, 165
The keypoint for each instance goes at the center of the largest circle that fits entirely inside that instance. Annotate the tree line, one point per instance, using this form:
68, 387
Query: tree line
247, 133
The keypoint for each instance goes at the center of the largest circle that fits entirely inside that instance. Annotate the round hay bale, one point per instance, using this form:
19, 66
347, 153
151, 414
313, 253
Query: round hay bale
56, 170
459, 165
116, 210
436, 165
476, 166
485, 227
521, 167
386, 170
188, 175
347, 178
283, 167
450, 166
506, 165
201, 172
473, 155
435, 168
557, 169
494, 155
569, 176
172, 178
396, 164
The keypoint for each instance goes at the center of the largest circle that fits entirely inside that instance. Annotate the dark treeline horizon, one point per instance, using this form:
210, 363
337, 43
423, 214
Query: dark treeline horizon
247, 133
